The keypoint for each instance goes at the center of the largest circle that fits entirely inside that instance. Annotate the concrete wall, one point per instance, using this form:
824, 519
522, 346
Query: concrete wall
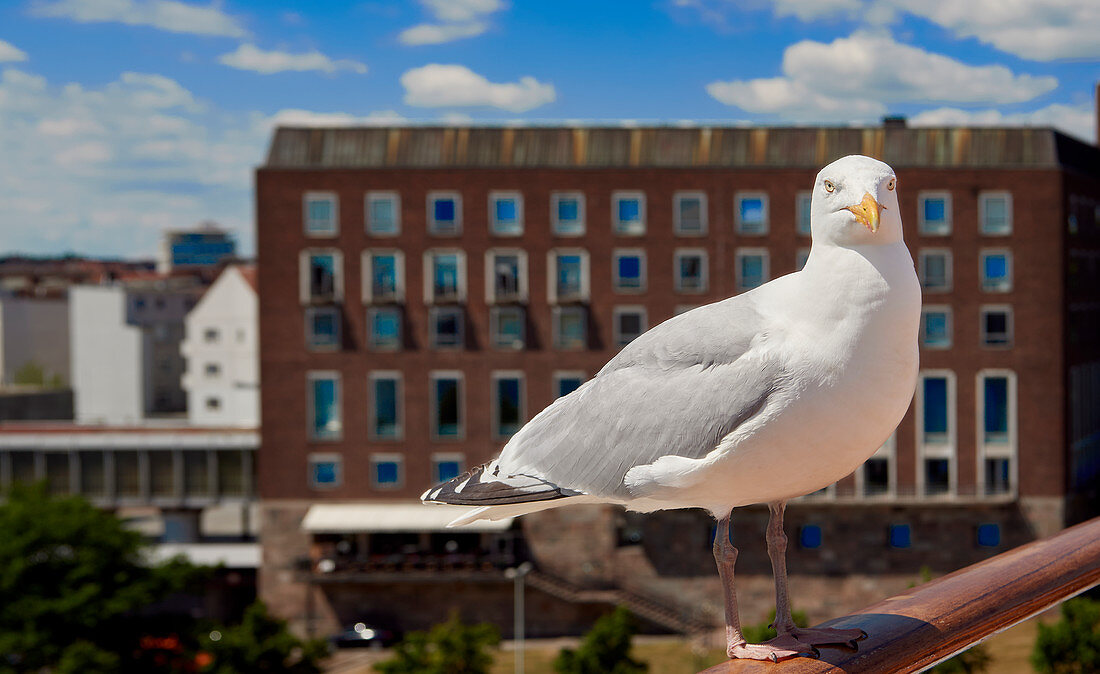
34, 331
107, 357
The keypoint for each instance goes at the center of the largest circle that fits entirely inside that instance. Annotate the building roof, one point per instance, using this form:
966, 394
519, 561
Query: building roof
705, 146
248, 273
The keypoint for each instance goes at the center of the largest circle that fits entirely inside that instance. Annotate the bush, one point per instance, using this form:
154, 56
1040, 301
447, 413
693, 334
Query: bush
758, 634
604, 650
1071, 645
449, 648
261, 643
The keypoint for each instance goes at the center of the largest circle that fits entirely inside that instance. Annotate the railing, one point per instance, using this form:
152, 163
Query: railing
928, 624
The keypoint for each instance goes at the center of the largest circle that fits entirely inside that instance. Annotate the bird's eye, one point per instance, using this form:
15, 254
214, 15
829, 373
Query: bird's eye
890, 185
829, 186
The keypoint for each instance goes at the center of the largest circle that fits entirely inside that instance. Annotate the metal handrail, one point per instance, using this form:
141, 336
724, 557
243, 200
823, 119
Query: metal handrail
930, 623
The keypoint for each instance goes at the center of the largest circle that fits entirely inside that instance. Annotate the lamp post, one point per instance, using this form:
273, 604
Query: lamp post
517, 574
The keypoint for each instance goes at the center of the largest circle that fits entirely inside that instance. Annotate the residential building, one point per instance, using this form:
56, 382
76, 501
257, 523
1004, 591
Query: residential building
221, 350
206, 245
34, 340
424, 291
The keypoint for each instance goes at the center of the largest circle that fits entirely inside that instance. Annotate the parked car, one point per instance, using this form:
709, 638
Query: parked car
362, 635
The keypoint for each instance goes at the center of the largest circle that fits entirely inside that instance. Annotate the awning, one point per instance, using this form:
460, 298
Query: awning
355, 518
232, 555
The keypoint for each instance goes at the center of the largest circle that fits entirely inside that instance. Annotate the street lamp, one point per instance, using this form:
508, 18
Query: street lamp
517, 574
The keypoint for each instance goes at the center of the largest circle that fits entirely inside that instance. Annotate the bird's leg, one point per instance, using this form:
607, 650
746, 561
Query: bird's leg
789, 634
725, 556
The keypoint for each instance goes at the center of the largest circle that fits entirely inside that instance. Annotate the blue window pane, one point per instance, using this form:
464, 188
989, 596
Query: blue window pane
386, 472
446, 408
445, 274
444, 210
325, 472
384, 275
385, 408
447, 470
935, 210
899, 536
935, 328
752, 271
509, 328
385, 329
989, 535
324, 329
809, 537
326, 408
506, 210
508, 406
569, 274
320, 214
629, 210
568, 210
382, 220
567, 385
935, 406
803, 208
996, 409
996, 267
571, 329
752, 211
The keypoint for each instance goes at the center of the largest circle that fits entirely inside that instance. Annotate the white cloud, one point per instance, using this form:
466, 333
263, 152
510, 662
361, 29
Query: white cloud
853, 78
436, 85
456, 20
295, 117
168, 15
1075, 120
434, 33
808, 10
9, 52
250, 57
1042, 30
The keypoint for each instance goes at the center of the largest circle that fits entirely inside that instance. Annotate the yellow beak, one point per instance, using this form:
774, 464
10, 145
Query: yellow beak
867, 212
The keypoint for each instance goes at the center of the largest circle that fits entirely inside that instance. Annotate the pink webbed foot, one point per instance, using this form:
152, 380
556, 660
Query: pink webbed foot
821, 637
771, 650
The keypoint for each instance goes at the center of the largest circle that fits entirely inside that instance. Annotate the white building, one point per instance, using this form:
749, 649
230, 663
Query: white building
221, 346
34, 334
125, 339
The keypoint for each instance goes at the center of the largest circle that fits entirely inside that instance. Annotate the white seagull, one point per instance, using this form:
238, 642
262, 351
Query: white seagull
759, 398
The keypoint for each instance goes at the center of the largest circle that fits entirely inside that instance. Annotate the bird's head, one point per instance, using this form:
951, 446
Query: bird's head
855, 203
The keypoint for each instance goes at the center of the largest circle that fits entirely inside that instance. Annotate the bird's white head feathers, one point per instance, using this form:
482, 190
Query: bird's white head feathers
855, 203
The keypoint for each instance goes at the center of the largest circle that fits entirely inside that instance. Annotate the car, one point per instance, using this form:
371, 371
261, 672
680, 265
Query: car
362, 635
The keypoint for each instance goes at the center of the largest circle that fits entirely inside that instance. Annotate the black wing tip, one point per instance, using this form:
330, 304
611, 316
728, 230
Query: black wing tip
475, 492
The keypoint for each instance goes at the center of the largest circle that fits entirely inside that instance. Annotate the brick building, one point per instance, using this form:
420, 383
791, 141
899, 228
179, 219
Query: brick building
424, 291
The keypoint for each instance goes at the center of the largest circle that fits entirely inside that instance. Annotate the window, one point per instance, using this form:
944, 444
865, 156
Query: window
210, 335
93, 473
506, 280
989, 535
322, 328
995, 213
997, 430
383, 276
447, 466
447, 281
567, 382
809, 536
508, 327
800, 257
325, 470
934, 213
387, 470
629, 270
628, 213
568, 280
446, 409
629, 323
385, 406
231, 473
751, 213
900, 536
212, 369
802, 213
691, 271
570, 328
384, 324
935, 270
213, 404
383, 213
996, 270
567, 213
936, 431
507, 403
448, 330
325, 416
996, 326
506, 213
876, 477
752, 268
689, 211
935, 327
320, 214
444, 213
321, 276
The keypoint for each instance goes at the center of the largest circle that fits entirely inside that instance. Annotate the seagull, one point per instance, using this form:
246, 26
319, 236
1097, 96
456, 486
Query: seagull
759, 398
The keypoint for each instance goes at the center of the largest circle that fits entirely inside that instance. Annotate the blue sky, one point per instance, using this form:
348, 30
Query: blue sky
120, 118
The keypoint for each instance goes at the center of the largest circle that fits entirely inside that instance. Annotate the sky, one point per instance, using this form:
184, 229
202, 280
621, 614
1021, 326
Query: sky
122, 118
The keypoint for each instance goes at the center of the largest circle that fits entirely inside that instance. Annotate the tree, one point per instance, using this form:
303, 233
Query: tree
261, 643
1071, 645
72, 580
605, 649
449, 648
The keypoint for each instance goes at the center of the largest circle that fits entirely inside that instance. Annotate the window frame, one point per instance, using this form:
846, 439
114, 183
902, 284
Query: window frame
429, 276
983, 197
305, 257
433, 405
373, 377
618, 312
314, 458
552, 276
738, 222
434, 314
949, 448
888, 450
946, 309
440, 457
495, 421
739, 255
396, 458
317, 195
521, 296
372, 345
924, 227
556, 313
803, 204
993, 450
494, 327
372, 196
367, 266
556, 224
949, 269
984, 254
678, 198
1010, 328
704, 271
516, 196
619, 227
616, 280
311, 313
434, 225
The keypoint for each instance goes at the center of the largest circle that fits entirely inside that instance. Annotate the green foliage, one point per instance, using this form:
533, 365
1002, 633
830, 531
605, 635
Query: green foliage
971, 661
449, 648
758, 634
72, 576
261, 643
1072, 645
33, 374
604, 650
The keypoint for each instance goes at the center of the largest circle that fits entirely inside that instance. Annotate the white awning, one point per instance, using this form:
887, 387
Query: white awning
232, 555
353, 518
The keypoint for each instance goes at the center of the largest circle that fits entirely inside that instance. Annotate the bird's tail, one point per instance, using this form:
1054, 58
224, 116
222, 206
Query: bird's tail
487, 485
